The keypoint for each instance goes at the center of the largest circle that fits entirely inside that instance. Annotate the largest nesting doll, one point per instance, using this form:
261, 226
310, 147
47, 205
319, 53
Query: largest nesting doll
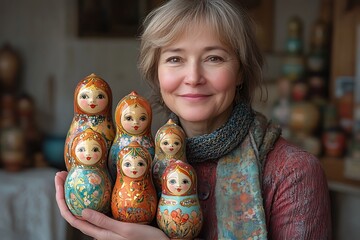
88, 183
133, 116
179, 213
92, 109
169, 147
134, 196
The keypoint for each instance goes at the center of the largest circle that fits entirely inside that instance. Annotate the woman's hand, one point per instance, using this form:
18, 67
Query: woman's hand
100, 226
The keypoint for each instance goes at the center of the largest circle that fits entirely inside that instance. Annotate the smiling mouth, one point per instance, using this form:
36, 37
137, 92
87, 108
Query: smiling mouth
92, 105
195, 96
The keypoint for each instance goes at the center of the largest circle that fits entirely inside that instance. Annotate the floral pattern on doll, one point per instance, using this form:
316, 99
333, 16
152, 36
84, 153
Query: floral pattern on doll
134, 196
88, 184
179, 213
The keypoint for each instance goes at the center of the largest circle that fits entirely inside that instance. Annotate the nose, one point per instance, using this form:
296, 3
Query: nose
194, 74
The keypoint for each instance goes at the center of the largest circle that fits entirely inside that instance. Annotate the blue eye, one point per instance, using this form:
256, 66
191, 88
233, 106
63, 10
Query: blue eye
127, 164
82, 149
172, 181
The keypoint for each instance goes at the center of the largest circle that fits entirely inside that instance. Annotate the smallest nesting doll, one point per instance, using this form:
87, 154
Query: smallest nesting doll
179, 213
134, 196
169, 147
88, 183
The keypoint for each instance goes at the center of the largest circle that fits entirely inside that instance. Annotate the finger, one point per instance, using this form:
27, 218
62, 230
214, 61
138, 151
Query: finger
102, 225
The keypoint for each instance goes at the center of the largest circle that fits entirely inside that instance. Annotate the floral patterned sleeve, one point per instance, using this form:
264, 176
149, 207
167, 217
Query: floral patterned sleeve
296, 195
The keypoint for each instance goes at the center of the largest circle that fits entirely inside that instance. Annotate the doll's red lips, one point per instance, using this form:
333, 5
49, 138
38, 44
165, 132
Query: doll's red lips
88, 158
134, 172
92, 105
178, 189
136, 127
171, 149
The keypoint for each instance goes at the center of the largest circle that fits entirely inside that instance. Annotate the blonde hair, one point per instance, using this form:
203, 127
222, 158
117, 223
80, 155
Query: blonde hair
231, 23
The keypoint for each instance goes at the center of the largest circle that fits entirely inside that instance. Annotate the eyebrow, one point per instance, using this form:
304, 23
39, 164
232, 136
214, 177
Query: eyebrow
209, 48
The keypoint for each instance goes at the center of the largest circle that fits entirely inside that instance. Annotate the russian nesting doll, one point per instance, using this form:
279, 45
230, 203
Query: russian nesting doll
88, 183
179, 213
133, 116
134, 195
169, 147
92, 109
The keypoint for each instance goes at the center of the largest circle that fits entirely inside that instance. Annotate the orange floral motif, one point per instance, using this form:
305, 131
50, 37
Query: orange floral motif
94, 179
178, 217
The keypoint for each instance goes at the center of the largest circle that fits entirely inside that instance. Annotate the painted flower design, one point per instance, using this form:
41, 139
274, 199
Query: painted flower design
94, 179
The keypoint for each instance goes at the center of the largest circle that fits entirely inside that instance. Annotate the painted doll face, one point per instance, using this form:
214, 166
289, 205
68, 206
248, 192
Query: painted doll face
134, 119
178, 183
92, 100
170, 144
134, 166
88, 152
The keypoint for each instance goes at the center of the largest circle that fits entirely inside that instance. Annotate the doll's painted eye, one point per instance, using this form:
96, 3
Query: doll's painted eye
128, 118
165, 143
141, 164
143, 118
101, 96
84, 96
81, 149
172, 181
177, 143
127, 164
96, 149
185, 181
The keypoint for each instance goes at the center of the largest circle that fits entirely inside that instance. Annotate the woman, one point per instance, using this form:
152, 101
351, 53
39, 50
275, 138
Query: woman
201, 59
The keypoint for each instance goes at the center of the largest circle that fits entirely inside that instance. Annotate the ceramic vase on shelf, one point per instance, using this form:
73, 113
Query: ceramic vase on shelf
169, 147
88, 183
92, 109
133, 117
134, 196
179, 214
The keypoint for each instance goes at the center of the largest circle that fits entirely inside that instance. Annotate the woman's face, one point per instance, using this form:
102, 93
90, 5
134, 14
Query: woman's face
198, 76
88, 152
92, 100
134, 119
134, 166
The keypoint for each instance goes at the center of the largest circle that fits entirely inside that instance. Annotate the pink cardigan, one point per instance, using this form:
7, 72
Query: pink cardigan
295, 193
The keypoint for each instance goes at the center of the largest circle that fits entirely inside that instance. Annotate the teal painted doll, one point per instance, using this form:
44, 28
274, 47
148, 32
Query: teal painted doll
179, 213
88, 183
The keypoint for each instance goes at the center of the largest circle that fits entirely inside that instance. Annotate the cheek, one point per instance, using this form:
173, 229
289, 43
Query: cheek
102, 103
168, 81
80, 155
97, 155
83, 103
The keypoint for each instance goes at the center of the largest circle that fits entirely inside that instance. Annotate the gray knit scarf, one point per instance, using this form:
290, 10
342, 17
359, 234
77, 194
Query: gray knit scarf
223, 140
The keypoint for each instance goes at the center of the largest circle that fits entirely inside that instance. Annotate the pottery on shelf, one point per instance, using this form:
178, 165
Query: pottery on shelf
134, 196
133, 117
179, 214
92, 109
169, 147
88, 183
